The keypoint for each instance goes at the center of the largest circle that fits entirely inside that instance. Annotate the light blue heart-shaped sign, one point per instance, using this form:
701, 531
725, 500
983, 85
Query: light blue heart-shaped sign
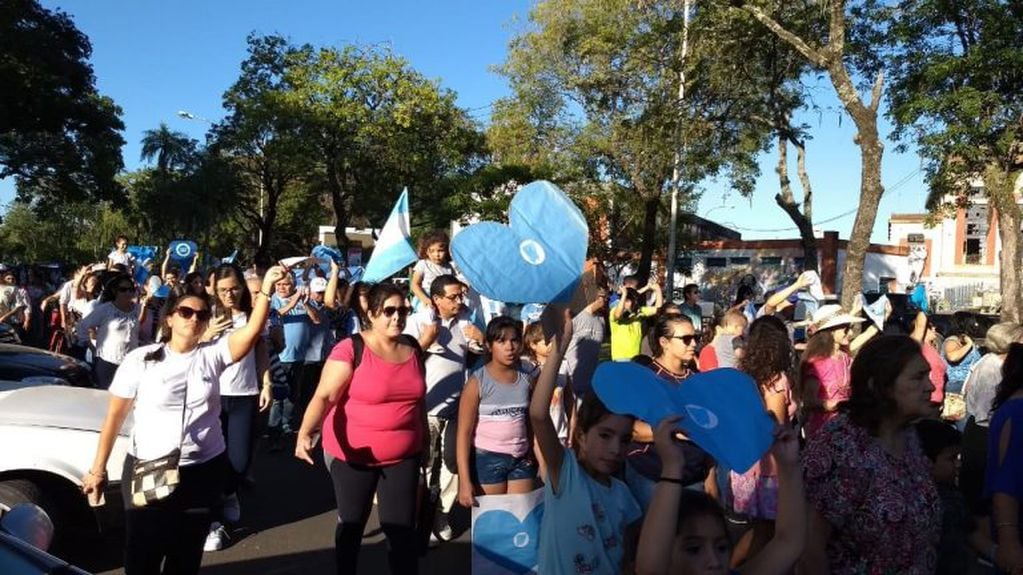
511, 544
537, 258
721, 409
183, 251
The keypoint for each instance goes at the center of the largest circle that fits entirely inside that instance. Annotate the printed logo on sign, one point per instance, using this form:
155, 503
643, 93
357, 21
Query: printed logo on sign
702, 416
532, 252
183, 250
521, 539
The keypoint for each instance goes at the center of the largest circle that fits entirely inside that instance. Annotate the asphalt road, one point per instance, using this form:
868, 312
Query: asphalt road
287, 527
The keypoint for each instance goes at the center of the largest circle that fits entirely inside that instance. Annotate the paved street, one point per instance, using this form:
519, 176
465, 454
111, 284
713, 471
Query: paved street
288, 527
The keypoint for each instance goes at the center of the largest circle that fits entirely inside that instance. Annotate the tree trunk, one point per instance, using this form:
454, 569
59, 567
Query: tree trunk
831, 58
650, 208
998, 185
338, 200
786, 200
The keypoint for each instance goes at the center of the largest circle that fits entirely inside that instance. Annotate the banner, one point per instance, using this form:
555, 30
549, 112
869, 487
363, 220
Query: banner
182, 251
506, 533
537, 258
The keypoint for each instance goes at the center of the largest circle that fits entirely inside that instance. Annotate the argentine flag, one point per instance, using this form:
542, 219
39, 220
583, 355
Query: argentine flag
393, 250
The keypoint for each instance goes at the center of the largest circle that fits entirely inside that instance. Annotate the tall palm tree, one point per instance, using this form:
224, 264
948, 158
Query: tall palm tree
171, 149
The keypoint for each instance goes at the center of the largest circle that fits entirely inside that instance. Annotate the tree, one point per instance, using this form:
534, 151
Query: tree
830, 54
957, 92
59, 138
172, 150
262, 138
375, 125
609, 71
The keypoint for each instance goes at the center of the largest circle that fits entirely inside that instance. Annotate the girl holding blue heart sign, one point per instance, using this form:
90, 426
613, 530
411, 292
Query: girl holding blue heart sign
587, 511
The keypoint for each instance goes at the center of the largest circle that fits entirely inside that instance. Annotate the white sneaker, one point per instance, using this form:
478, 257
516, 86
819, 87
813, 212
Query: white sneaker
232, 508
217, 538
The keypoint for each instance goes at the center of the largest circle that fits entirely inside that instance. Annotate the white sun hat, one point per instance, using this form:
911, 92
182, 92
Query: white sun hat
829, 316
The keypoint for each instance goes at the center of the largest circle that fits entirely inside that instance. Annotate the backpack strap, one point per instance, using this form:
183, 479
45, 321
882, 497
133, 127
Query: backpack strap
359, 345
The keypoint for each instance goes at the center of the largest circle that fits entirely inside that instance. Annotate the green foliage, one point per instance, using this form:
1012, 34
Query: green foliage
72, 233
59, 138
957, 90
172, 150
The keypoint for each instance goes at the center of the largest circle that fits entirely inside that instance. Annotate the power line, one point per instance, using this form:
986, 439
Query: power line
903, 181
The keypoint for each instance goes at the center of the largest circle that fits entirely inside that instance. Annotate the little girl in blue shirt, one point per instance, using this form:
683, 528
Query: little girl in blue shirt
587, 511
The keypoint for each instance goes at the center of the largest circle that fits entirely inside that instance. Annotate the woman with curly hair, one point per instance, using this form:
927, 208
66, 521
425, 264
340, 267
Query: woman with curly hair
769, 361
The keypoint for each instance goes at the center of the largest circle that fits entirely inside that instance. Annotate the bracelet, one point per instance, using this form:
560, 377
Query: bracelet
264, 294
1006, 524
671, 480
100, 475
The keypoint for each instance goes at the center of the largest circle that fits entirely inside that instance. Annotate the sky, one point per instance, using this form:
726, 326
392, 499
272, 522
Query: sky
155, 58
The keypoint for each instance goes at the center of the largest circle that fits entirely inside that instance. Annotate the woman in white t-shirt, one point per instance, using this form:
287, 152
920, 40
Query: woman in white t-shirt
173, 389
85, 297
240, 393
116, 320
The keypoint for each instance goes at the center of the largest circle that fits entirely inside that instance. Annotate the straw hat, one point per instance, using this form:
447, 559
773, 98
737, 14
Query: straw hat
829, 316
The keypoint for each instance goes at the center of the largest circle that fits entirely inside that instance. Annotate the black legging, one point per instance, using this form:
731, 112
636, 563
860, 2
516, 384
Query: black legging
172, 532
396, 487
104, 371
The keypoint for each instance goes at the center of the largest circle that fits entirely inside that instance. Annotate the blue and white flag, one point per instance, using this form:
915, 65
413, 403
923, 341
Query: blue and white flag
393, 251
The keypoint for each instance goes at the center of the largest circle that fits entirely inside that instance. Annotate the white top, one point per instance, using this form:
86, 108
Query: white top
82, 307
117, 332
125, 259
158, 388
240, 378
67, 293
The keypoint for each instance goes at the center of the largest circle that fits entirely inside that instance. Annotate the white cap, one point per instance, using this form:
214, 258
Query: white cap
318, 285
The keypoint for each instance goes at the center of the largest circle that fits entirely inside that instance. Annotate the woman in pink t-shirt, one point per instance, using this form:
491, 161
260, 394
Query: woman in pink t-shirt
824, 370
373, 419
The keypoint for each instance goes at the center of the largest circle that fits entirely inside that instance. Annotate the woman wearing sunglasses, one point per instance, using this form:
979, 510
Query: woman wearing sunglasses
116, 323
375, 431
173, 390
673, 343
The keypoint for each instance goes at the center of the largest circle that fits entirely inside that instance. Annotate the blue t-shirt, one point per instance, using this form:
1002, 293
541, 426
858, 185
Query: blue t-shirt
321, 335
296, 330
583, 528
1006, 476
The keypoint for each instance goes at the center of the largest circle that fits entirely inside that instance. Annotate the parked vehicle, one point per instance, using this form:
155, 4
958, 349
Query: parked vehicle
41, 367
48, 436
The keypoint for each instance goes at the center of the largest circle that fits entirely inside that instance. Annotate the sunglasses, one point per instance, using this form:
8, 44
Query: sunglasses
402, 311
454, 297
125, 289
686, 339
186, 313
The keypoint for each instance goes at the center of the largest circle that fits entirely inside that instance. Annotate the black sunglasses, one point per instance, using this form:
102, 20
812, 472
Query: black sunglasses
125, 289
186, 313
402, 311
686, 339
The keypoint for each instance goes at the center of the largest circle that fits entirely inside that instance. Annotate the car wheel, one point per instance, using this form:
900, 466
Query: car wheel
15, 491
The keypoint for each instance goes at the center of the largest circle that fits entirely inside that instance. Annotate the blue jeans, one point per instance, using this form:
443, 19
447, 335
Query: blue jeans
237, 418
493, 468
282, 412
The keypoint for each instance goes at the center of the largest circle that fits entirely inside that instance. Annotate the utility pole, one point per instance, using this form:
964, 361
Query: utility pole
676, 175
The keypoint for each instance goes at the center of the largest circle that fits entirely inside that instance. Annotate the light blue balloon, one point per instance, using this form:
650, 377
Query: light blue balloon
538, 257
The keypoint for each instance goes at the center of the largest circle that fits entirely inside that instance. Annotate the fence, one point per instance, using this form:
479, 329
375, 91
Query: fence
961, 297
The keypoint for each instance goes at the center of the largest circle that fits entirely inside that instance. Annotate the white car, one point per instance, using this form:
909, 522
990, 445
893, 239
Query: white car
48, 438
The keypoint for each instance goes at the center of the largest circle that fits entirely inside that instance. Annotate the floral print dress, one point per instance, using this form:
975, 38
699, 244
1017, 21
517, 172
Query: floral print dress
884, 510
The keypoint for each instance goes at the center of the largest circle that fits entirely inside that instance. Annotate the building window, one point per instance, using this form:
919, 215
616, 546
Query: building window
975, 245
717, 262
770, 261
738, 261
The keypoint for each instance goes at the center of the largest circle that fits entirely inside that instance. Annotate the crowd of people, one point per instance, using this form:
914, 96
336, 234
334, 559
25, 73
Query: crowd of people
864, 476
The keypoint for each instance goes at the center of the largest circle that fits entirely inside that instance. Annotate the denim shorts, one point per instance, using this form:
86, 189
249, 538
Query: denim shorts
494, 468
